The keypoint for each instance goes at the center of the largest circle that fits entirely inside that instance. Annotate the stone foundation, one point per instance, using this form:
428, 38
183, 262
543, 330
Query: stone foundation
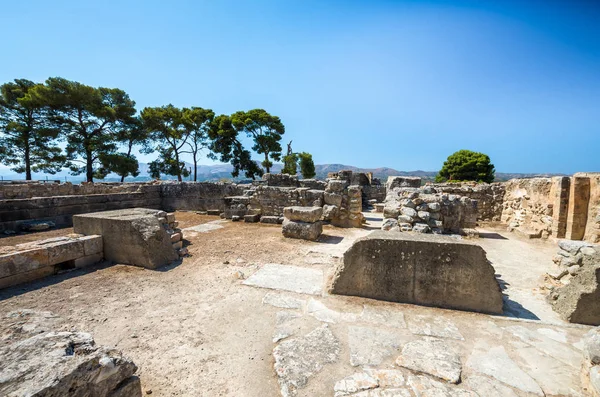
30, 261
422, 269
302, 222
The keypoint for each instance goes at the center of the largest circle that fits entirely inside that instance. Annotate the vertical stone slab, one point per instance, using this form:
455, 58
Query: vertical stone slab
561, 187
578, 207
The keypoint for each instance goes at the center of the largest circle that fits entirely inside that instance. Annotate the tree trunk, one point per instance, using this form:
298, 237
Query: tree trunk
267, 168
27, 163
89, 166
122, 178
195, 169
178, 166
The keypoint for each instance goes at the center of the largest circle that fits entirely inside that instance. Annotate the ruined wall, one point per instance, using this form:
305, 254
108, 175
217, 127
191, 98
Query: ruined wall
489, 197
37, 189
198, 196
270, 200
592, 229
528, 206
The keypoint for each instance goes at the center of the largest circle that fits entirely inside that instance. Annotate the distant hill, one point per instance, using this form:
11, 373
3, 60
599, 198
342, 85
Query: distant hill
223, 171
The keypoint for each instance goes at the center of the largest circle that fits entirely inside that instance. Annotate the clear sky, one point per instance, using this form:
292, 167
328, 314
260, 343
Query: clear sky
401, 84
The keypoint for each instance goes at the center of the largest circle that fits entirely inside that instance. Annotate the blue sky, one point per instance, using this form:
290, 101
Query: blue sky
401, 84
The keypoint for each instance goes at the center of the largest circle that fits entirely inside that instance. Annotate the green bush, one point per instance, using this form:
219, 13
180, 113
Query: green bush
466, 165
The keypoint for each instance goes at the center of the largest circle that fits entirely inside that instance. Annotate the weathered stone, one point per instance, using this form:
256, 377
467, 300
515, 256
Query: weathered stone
424, 215
36, 226
283, 301
432, 356
92, 245
577, 302
488, 387
423, 386
595, 380
405, 227
434, 207
422, 269
434, 326
572, 247
303, 214
421, 228
235, 218
269, 219
298, 359
409, 212
354, 383
391, 211
322, 313
402, 181
23, 261
405, 219
496, 363
330, 212
287, 278
383, 315
591, 346
175, 237
333, 199
252, 218
370, 346
57, 364
336, 186
302, 230
132, 236
389, 224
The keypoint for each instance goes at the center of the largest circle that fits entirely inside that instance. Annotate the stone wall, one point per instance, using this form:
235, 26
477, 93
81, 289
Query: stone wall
592, 229
197, 196
489, 197
38, 189
270, 201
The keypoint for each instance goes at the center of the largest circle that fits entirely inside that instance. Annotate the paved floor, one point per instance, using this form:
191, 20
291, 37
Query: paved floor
370, 348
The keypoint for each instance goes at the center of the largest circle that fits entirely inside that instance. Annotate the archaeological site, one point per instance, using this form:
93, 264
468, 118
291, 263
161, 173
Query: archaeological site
349, 286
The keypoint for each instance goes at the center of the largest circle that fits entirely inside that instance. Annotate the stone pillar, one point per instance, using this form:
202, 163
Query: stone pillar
579, 198
561, 187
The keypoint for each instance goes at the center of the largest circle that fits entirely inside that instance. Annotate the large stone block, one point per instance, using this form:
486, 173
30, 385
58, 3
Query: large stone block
303, 214
56, 364
133, 236
402, 181
23, 261
578, 301
423, 269
302, 230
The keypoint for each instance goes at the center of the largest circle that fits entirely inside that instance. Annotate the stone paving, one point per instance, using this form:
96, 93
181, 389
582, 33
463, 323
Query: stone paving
349, 346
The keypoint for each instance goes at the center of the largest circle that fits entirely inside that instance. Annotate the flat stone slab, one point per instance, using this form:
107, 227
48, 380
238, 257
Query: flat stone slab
370, 346
205, 227
283, 301
496, 363
433, 326
298, 359
287, 278
383, 316
424, 269
432, 356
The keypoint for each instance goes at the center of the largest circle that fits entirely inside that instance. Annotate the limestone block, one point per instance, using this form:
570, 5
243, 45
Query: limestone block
252, 218
330, 212
132, 236
424, 215
405, 219
391, 210
577, 302
421, 228
88, 260
409, 212
303, 214
23, 261
64, 251
402, 181
91, 244
336, 186
419, 268
389, 223
302, 230
333, 199
65, 364
269, 219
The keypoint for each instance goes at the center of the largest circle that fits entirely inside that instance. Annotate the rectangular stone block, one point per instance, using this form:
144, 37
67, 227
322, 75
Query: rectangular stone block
302, 230
23, 261
579, 197
303, 214
429, 270
88, 260
270, 219
64, 251
91, 245
25, 277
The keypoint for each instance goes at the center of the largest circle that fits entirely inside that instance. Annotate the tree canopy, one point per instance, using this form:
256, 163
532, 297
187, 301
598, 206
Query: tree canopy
307, 166
466, 165
90, 119
197, 120
265, 130
28, 142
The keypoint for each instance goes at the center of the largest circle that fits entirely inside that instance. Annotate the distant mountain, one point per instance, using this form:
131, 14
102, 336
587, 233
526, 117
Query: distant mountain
223, 171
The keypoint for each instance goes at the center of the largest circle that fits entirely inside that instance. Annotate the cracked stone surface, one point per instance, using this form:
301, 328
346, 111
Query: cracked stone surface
283, 301
354, 383
297, 359
546, 345
488, 387
370, 346
433, 326
322, 313
383, 315
287, 278
496, 363
423, 386
432, 356
285, 325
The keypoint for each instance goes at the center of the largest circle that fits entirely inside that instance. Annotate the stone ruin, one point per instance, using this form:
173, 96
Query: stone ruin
410, 207
302, 222
422, 269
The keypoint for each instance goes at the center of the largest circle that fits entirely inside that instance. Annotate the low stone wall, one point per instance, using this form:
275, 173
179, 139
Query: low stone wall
489, 197
38, 189
30, 261
423, 269
197, 196
270, 200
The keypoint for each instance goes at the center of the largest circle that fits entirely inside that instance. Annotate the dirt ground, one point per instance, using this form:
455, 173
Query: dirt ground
192, 328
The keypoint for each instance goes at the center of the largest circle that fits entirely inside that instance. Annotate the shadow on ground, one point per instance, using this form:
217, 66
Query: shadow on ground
494, 236
327, 239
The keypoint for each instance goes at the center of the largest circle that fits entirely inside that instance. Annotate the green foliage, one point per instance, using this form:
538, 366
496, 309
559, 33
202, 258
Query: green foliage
197, 120
307, 166
225, 147
266, 131
89, 118
120, 163
290, 164
27, 139
166, 164
168, 129
466, 165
